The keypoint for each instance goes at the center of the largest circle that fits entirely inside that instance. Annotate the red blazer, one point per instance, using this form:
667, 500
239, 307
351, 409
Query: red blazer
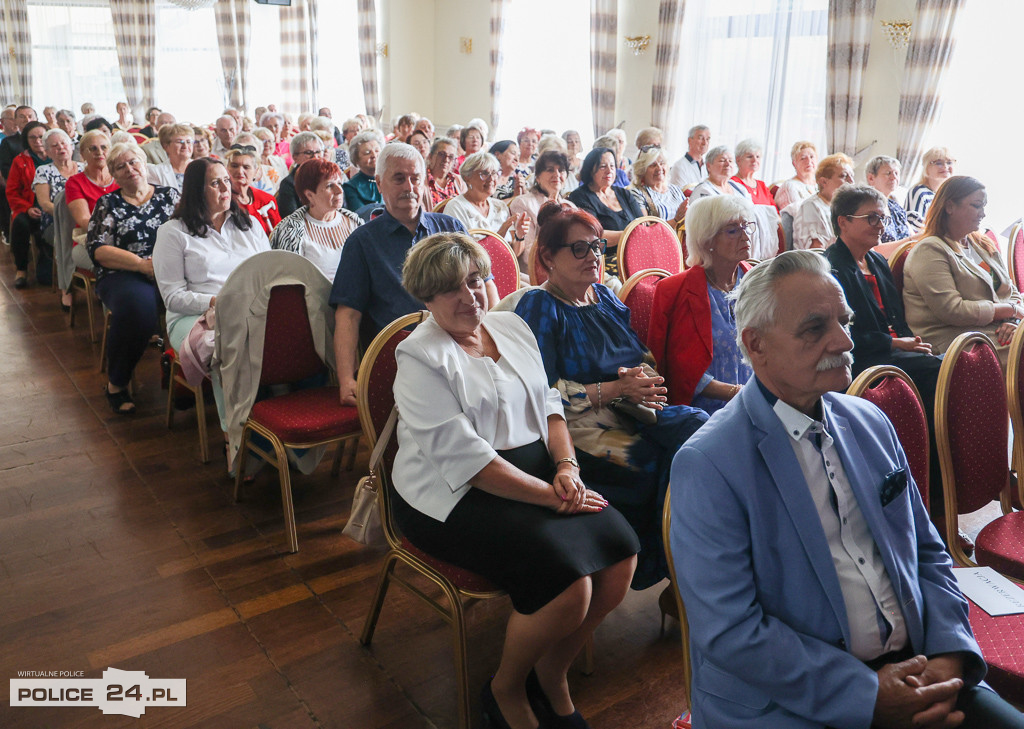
20, 194
680, 332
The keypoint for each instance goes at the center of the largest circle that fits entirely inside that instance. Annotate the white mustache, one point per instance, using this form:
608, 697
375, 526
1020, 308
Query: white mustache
408, 196
835, 361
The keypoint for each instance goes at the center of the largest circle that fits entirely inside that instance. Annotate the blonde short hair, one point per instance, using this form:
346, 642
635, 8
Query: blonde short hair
440, 263
86, 139
800, 146
169, 131
122, 148
829, 166
645, 160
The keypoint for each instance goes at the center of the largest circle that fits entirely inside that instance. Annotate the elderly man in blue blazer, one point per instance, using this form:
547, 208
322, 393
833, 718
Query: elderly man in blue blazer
817, 591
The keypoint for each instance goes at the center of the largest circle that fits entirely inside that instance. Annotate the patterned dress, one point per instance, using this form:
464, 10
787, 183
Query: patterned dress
115, 222
897, 228
626, 462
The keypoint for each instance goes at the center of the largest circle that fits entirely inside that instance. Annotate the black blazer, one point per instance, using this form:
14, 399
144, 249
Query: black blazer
870, 330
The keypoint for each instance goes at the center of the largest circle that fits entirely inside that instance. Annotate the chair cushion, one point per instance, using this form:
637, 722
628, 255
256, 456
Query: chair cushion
640, 302
652, 246
462, 579
306, 416
1001, 640
1000, 545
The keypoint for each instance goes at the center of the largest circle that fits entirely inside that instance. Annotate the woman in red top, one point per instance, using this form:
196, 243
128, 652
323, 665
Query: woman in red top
25, 214
748, 164
242, 162
83, 190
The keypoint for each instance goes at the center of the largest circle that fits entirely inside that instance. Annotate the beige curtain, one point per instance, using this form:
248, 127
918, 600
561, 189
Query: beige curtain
603, 46
299, 28
666, 62
234, 29
498, 8
135, 38
367, 14
16, 53
849, 42
928, 57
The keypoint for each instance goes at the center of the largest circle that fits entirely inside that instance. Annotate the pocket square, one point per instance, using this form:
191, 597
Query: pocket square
893, 485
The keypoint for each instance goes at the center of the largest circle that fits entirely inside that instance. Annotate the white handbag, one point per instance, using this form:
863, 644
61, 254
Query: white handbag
364, 525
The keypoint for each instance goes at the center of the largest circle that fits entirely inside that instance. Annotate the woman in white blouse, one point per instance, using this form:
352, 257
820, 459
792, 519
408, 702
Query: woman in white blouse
812, 219
720, 165
486, 478
202, 243
802, 185
475, 208
178, 140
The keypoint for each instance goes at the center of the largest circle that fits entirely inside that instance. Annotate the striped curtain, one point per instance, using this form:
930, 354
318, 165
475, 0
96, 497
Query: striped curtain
928, 57
604, 24
16, 63
233, 32
498, 8
367, 15
666, 62
849, 41
135, 38
299, 56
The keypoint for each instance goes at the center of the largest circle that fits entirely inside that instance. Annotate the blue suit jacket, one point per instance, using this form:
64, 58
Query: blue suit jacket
768, 623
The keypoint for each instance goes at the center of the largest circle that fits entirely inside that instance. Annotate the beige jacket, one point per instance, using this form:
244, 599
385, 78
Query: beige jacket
946, 294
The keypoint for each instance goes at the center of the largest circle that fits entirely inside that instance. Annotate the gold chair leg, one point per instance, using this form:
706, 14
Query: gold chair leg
89, 310
103, 341
459, 646
378, 598
286, 495
240, 461
71, 310
204, 445
338, 453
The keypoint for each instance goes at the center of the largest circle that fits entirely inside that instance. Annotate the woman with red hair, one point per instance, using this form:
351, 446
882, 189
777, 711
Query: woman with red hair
317, 230
625, 436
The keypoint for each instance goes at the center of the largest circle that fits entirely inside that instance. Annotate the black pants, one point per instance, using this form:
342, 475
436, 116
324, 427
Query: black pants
23, 227
134, 304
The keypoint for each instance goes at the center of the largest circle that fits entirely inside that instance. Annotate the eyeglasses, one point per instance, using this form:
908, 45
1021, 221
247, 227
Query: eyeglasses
487, 174
183, 142
943, 162
649, 147
310, 153
874, 219
133, 163
220, 183
733, 231
247, 148
581, 248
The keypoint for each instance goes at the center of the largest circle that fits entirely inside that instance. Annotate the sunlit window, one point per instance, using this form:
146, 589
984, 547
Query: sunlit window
188, 75
341, 85
753, 69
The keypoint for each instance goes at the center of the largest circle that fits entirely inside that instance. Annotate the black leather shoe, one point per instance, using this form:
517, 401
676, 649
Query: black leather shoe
542, 707
492, 712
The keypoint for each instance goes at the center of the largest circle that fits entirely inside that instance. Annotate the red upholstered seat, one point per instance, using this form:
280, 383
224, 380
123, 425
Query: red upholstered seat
649, 243
462, 579
1001, 640
638, 296
504, 266
897, 263
306, 416
1000, 545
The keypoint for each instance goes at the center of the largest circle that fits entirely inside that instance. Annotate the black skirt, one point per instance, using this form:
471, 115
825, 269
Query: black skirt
529, 551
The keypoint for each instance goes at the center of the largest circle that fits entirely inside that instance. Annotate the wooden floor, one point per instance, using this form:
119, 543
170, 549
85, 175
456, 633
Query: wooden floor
119, 548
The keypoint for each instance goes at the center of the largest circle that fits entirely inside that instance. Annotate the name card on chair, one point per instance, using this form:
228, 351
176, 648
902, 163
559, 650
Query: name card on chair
990, 591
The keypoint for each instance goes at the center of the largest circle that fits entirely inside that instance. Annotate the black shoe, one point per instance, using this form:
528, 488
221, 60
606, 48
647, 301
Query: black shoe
492, 713
20, 281
542, 707
118, 401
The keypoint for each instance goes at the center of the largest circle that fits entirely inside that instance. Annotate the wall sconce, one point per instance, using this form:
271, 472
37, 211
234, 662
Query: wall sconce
638, 43
897, 32
465, 45
382, 50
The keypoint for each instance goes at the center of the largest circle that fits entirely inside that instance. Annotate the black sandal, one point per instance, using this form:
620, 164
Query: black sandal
118, 400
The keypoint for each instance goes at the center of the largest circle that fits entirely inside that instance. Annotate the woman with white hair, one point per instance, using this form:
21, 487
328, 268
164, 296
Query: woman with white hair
274, 168
574, 150
475, 208
883, 174
178, 140
50, 178
802, 185
361, 189
693, 329
766, 244
326, 124
662, 198
621, 177
937, 167
720, 165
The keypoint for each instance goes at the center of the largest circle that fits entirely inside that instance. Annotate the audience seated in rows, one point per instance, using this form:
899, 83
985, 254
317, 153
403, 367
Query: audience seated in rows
549, 174
661, 198
720, 165
243, 165
812, 221
745, 182
476, 208
361, 189
883, 174
178, 142
442, 182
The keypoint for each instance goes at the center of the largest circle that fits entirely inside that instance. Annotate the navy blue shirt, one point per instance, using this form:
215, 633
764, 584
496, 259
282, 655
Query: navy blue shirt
369, 277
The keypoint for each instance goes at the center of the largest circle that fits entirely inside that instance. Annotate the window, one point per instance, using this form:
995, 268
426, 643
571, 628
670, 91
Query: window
188, 76
753, 69
74, 58
341, 84
546, 72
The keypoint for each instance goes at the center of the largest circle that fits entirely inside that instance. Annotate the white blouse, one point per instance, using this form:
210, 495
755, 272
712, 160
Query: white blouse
470, 216
190, 270
812, 218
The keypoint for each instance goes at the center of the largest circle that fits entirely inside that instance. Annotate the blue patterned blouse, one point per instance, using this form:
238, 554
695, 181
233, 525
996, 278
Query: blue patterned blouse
897, 228
727, 363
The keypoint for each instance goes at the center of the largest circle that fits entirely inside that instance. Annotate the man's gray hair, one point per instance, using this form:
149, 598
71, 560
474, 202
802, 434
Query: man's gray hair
883, 159
399, 150
300, 140
66, 113
747, 146
755, 297
706, 217
697, 128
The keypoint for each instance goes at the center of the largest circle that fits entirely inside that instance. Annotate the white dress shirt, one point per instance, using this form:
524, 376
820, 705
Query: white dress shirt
867, 590
190, 270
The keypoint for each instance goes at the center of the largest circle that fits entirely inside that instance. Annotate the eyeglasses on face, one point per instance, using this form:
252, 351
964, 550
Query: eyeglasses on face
874, 219
943, 162
580, 248
487, 174
183, 142
133, 163
310, 153
649, 147
733, 231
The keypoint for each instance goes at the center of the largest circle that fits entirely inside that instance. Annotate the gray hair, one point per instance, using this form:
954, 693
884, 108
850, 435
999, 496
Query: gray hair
66, 113
249, 138
364, 137
647, 135
442, 142
747, 146
60, 133
122, 148
608, 142
400, 150
645, 160
552, 141
263, 134
716, 152
349, 123
617, 134
755, 298
876, 164
848, 199
706, 217
478, 123
300, 140
122, 137
478, 161
321, 123
697, 128
270, 115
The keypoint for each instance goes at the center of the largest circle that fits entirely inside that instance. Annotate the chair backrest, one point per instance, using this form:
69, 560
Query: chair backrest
786, 224
1014, 388
504, 266
684, 625
375, 397
649, 242
638, 296
897, 396
538, 274
439, 208
289, 354
971, 426
1015, 256
897, 262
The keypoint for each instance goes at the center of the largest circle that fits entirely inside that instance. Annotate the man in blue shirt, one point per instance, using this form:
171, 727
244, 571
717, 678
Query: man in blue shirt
368, 293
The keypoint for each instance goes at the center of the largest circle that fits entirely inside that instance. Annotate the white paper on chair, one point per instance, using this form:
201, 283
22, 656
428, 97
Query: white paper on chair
990, 591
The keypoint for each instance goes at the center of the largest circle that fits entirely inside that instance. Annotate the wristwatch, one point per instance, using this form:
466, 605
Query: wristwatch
568, 459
